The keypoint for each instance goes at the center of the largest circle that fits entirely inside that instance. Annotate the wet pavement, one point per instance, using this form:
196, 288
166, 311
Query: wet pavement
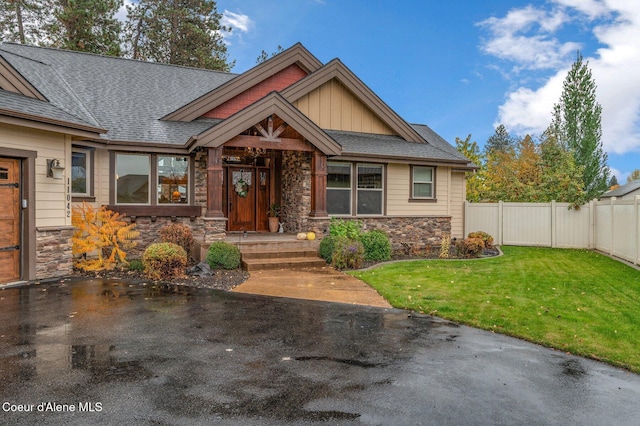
98, 352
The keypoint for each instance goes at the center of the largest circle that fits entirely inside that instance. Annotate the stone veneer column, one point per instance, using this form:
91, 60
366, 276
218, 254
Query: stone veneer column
318, 185
214, 182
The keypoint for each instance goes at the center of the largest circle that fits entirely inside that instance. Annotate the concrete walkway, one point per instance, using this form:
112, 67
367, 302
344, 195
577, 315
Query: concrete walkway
324, 284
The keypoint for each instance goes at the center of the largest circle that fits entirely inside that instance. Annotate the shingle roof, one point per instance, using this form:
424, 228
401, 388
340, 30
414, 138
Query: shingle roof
622, 190
394, 147
126, 97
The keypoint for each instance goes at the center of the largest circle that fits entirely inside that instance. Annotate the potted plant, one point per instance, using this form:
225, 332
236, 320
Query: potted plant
273, 213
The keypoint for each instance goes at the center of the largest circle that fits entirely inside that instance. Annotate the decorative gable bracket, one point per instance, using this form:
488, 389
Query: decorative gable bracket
270, 135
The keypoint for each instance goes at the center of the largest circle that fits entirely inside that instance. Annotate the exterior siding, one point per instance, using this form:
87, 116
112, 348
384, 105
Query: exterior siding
50, 193
450, 196
332, 106
276, 82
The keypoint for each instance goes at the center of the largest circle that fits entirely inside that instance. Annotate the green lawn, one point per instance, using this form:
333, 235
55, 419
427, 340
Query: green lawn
578, 301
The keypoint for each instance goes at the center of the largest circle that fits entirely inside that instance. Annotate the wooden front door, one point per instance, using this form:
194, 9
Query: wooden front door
248, 198
9, 220
241, 192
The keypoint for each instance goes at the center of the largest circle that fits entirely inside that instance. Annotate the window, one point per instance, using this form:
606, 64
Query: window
422, 182
370, 191
368, 182
339, 188
81, 172
132, 178
136, 172
173, 179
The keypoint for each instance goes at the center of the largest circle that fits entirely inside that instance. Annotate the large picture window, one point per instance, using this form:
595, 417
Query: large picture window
422, 182
135, 174
368, 181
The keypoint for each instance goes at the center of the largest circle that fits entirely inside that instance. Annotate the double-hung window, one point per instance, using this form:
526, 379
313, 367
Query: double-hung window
339, 188
370, 190
355, 188
151, 179
422, 179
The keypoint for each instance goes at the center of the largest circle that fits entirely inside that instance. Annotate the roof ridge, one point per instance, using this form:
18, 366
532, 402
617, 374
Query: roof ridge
98, 55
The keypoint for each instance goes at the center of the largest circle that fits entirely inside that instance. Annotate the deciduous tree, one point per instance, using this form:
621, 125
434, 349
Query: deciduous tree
635, 175
475, 181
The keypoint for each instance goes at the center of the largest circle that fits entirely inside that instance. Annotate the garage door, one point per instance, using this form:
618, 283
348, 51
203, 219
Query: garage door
9, 220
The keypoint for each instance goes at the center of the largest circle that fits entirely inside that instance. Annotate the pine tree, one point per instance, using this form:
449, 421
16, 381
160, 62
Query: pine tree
21, 20
577, 125
85, 26
501, 140
178, 32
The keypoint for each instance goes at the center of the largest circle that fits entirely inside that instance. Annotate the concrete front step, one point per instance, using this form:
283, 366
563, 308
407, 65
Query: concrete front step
263, 264
281, 254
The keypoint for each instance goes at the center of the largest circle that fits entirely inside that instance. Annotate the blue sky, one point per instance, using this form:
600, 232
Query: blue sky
464, 66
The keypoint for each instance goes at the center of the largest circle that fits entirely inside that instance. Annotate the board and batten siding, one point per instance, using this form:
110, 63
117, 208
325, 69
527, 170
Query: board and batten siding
50, 194
333, 106
450, 196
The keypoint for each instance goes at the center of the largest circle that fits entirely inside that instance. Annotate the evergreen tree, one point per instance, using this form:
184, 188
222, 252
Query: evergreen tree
613, 182
501, 140
577, 125
85, 25
179, 32
21, 21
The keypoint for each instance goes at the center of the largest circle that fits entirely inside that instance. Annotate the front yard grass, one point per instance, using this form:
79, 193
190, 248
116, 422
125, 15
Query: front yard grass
578, 301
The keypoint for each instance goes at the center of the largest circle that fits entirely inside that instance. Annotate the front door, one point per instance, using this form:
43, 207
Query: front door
248, 198
242, 198
9, 220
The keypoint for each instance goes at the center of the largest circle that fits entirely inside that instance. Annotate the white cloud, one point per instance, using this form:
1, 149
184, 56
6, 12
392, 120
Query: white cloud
616, 26
237, 21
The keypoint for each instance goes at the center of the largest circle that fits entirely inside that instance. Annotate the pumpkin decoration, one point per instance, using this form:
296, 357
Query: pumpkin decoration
301, 236
311, 236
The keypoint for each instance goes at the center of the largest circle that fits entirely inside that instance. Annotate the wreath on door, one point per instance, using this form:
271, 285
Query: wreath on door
241, 187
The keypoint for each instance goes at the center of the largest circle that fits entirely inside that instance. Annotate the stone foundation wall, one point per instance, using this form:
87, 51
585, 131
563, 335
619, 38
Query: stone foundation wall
417, 231
53, 252
296, 190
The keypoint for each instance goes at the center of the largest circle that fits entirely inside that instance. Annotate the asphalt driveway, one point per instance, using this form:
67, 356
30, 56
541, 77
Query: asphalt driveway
98, 352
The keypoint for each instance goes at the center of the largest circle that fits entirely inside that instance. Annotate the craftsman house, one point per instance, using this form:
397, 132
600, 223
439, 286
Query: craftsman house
213, 150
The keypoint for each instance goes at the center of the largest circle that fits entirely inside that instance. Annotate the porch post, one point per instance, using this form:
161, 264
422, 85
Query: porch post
214, 182
318, 185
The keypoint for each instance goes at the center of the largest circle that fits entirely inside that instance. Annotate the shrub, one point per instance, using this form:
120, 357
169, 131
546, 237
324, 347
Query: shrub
179, 234
351, 229
377, 246
326, 248
100, 238
136, 265
223, 255
164, 260
470, 247
347, 253
486, 238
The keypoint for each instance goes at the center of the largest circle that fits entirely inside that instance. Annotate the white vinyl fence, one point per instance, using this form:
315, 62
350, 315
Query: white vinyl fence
611, 226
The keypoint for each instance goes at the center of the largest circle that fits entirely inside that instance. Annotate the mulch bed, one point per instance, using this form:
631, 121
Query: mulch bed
219, 280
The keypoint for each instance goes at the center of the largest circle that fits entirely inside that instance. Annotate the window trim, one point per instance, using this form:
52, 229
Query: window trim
90, 174
154, 208
414, 199
353, 199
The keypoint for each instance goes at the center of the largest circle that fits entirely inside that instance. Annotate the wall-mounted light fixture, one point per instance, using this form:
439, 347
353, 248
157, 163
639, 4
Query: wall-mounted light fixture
54, 169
